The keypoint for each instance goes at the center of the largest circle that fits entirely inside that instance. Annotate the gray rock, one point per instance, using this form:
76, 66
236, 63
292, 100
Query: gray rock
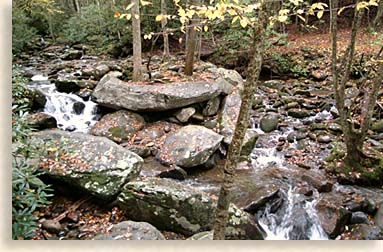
175, 172
130, 230
366, 232
249, 141
229, 115
118, 126
41, 121
184, 114
378, 217
231, 76
72, 54
189, 146
319, 75
141, 151
318, 182
78, 108
298, 113
114, 93
269, 122
274, 84
173, 206
94, 164
212, 107
324, 139
206, 235
359, 217
100, 71
332, 218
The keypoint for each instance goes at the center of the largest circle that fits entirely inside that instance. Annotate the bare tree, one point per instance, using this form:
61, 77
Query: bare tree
164, 22
191, 43
136, 31
355, 117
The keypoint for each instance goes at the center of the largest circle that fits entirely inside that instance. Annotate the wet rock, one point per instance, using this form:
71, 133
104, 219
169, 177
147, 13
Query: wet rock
359, 217
84, 93
274, 84
93, 164
300, 225
52, 226
332, 218
190, 146
211, 124
72, 54
130, 230
335, 128
360, 204
324, 139
366, 232
273, 198
298, 113
141, 151
269, 122
100, 71
377, 126
184, 114
229, 115
175, 172
173, 206
318, 126
78, 108
114, 93
70, 85
118, 126
212, 107
249, 141
41, 121
320, 184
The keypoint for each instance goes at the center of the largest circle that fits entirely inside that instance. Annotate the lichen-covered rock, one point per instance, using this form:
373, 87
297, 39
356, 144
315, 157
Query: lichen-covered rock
114, 93
190, 146
94, 164
118, 126
130, 230
212, 107
232, 76
229, 115
366, 232
173, 206
269, 122
249, 141
184, 114
298, 113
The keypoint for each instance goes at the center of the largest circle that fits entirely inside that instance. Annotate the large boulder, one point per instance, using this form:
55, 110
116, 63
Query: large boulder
94, 164
269, 122
118, 126
229, 115
190, 146
130, 230
41, 121
173, 206
114, 93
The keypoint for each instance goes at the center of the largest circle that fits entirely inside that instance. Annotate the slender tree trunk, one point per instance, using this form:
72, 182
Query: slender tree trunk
76, 6
240, 130
191, 44
136, 30
164, 22
377, 22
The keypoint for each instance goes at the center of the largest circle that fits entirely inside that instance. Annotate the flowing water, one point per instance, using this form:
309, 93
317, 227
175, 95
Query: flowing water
70, 111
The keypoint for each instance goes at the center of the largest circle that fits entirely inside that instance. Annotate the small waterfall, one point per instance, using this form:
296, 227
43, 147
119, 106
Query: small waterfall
72, 113
295, 220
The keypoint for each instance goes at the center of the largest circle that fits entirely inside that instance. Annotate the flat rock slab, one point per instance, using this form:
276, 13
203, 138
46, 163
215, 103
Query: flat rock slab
173, 206
190, 146
114, 93
130, 230
94, 164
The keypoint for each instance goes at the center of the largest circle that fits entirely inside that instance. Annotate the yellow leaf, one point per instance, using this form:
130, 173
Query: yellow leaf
159, 18
205, 28
234, 19
129, 6
136, 16
302, 18
180, 40
320, 14
282, 19
243, 22
340, 10
117, 14
144, 3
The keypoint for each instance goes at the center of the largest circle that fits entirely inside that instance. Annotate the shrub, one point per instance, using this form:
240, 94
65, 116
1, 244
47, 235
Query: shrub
28, 191
22, 32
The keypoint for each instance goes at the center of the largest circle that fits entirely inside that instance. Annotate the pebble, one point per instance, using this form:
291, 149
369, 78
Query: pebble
324, 139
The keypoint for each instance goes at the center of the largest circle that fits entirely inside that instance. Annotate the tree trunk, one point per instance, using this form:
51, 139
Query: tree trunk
76, 6
164, 22
240, 130
136, 31
191, 44
377, 22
